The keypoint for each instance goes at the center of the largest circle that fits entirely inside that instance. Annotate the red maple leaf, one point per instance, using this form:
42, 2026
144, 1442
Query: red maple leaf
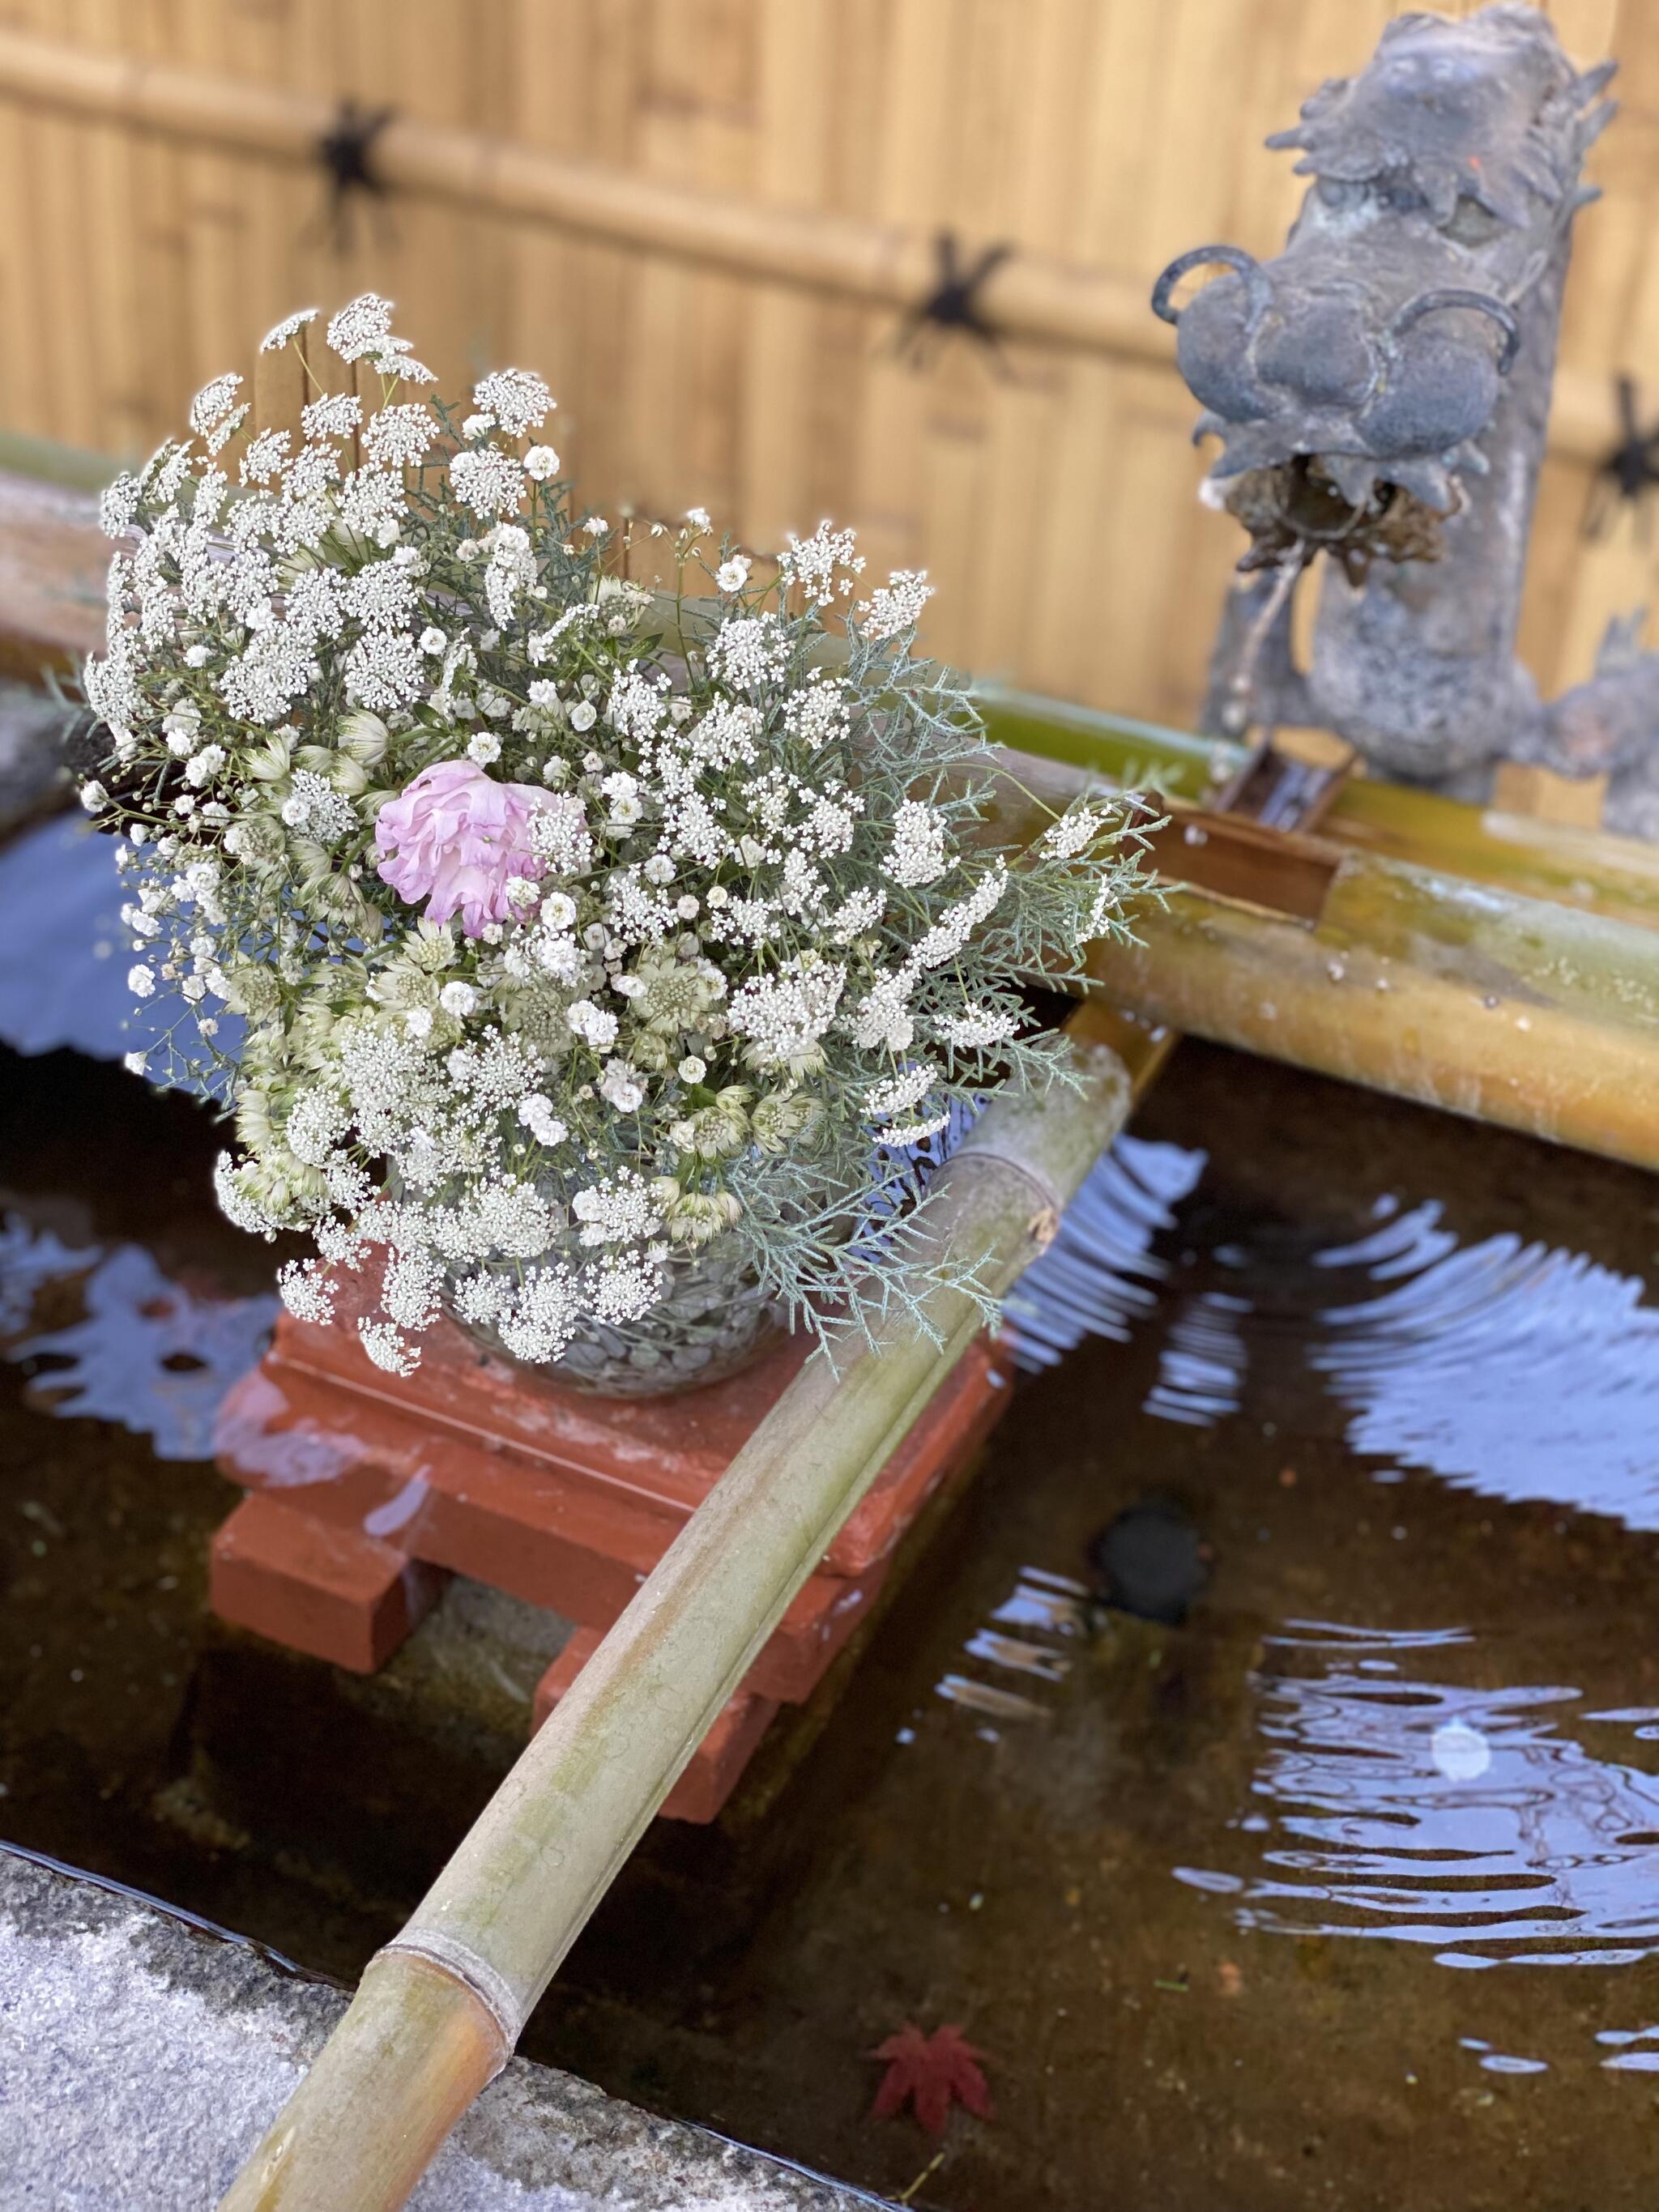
926, 2072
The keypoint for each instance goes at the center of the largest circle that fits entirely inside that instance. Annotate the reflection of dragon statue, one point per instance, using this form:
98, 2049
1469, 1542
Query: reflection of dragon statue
1382, 388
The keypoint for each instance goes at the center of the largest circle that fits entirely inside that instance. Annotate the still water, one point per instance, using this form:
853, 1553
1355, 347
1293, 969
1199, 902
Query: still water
1342, 1891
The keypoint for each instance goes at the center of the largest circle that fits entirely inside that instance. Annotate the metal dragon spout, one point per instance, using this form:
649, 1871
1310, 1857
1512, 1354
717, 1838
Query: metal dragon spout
1381, 388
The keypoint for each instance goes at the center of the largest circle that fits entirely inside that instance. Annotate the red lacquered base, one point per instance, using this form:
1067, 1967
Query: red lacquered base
364, 1487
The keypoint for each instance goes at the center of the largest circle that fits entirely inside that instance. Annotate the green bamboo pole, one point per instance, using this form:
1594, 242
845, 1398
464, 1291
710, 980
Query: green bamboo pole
1618, 877
440, 2009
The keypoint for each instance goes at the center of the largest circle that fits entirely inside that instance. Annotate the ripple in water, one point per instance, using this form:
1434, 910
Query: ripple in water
1516, 1369
1392, 1799
1510, 1367
1422, 1811
1100, 1276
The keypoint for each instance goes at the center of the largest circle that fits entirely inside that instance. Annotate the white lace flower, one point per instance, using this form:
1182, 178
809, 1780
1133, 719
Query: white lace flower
386, 1347
487, 480
335, 415
213, 402
360, 327
307, 1290
517, 398
290, 326
399, 436
917, 855
896, 605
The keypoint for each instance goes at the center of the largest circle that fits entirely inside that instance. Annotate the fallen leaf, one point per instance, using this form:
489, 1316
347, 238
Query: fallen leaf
927, 2072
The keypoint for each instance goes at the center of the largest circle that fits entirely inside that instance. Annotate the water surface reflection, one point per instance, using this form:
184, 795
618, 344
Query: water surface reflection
1417, 1807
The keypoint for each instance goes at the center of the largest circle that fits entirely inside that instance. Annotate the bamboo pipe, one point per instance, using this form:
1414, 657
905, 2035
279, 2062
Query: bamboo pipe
1591, 869
1523, 1012
1030, 296
438, 2010
1457, 995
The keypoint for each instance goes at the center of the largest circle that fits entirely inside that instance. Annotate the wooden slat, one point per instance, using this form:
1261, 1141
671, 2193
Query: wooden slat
1056, 510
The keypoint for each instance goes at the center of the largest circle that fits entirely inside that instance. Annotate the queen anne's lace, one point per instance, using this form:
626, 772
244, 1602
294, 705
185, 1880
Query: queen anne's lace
571, 947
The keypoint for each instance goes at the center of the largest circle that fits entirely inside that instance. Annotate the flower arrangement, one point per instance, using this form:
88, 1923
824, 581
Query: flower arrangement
591, 944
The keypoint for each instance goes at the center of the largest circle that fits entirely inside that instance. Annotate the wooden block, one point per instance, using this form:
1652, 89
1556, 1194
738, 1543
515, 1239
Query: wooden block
1521, 789
715, 1766
476, 1509
666, 1453
562, 1498
336, 1593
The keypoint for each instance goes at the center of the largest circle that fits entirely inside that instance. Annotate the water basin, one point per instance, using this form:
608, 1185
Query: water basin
1345, 1891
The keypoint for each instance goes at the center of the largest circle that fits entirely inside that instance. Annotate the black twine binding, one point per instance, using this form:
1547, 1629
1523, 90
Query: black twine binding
1628, 474
345, 152
953, 305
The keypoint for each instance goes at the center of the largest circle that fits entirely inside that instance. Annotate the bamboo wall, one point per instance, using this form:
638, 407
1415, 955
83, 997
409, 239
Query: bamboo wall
1054, 504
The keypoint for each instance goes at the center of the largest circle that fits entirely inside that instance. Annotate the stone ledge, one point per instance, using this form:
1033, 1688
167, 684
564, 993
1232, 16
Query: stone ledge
142, 2055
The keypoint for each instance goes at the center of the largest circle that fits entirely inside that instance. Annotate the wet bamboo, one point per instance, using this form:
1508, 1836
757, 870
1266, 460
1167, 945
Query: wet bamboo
1463, 996
1528, 1012
440, 2008
1028, 296
1618, 877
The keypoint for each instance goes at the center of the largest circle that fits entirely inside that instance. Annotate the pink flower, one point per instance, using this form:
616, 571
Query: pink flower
456, 838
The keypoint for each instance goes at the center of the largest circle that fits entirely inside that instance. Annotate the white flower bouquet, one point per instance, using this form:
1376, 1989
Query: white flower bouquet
603, 956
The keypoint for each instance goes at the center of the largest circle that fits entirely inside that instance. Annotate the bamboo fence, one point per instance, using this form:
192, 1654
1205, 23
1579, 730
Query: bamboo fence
703, 223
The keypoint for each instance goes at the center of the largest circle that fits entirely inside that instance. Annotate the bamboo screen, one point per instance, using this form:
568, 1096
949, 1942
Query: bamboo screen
1051, 494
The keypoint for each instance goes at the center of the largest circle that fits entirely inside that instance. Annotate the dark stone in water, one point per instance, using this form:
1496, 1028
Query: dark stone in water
1150, 1561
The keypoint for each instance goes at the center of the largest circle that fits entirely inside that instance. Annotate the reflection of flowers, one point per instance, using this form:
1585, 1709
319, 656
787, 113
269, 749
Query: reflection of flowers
459, 840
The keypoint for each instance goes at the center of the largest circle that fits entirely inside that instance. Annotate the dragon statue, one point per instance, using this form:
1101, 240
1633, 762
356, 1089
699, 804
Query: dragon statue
1381, 388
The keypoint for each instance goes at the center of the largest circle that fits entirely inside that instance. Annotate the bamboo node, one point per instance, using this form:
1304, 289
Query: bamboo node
463, 1964
1049, 1198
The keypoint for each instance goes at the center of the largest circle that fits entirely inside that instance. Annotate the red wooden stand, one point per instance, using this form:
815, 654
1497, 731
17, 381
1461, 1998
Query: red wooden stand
365, 1488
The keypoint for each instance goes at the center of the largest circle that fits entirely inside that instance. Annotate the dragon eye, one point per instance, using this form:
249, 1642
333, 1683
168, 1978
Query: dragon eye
1471, 224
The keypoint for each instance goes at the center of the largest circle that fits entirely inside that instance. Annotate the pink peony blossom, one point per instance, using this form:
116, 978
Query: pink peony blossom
456, 838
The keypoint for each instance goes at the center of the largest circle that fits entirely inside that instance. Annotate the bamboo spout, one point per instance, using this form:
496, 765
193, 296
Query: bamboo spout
1458, 995
440, 2008
415, 2049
